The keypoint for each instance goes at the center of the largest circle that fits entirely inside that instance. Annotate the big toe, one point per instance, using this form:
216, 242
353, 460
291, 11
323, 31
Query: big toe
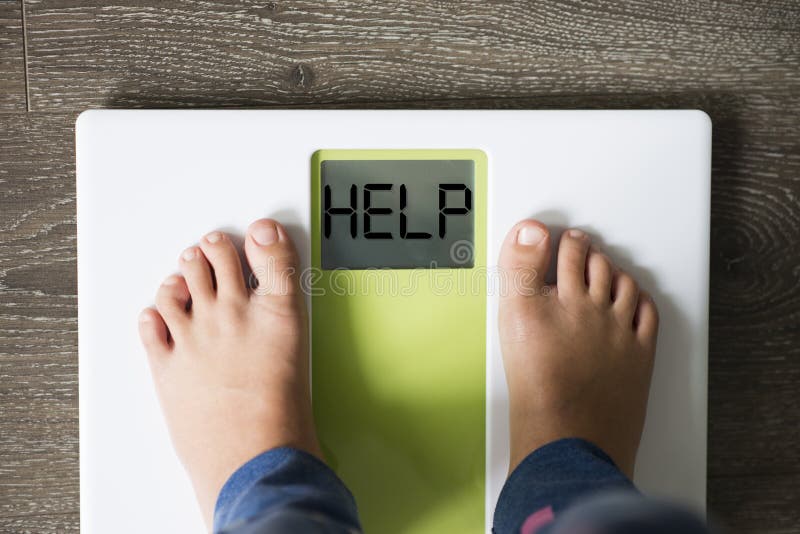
272, 258
524, 258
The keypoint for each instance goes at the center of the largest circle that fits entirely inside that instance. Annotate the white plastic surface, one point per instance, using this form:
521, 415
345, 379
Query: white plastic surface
151, 183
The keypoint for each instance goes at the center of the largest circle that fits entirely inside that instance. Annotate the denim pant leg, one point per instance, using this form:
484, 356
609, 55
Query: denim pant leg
285, 491
571, 485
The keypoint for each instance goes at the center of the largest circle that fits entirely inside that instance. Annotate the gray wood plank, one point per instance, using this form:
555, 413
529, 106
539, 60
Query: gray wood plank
12, 57
754, 407
38, 325
41, 524
226, 53
756, 505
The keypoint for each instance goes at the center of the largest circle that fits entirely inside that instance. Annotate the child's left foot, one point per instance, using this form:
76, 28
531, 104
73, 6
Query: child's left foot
230, 365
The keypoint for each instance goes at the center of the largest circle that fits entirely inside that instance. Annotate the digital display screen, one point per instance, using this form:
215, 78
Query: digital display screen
399, 214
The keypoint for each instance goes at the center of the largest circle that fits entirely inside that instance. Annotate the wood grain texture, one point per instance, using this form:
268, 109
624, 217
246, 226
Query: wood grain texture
775, 511
38, 326
42, 523
236, 53
12, 57
738, 60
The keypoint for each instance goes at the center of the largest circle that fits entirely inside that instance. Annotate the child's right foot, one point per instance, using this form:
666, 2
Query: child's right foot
578, 355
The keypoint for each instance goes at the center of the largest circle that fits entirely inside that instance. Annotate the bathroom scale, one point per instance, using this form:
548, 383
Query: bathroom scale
398, 216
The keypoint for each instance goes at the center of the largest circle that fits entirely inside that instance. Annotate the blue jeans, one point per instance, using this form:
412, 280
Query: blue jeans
567, 486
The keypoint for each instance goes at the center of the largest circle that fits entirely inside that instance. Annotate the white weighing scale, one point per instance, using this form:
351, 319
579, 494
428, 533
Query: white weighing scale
151, 183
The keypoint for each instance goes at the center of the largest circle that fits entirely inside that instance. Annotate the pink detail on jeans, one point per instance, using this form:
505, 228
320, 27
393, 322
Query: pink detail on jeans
537, 520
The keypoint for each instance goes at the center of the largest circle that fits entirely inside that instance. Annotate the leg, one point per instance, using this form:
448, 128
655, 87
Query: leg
578, 358
283, 491
231, 370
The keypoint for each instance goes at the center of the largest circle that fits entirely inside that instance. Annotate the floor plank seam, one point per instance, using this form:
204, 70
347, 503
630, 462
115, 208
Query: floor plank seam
25, 55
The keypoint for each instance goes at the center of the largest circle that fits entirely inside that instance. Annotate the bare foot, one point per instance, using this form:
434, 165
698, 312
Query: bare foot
230, 365
578, 355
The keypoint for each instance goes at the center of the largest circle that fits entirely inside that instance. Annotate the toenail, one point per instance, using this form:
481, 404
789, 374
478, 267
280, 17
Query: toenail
145, 317
171, 281
213, 237
189, 254
577, 234
265, 234
530, 235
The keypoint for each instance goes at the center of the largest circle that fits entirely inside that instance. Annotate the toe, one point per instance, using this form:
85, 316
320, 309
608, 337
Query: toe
625, 294
599, 273
197, 272
172, 301
571, 269
153, 332
272, 258
646, 320
224, 259
524, 258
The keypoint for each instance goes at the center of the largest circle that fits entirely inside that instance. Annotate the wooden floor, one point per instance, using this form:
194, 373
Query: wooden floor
738, 60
